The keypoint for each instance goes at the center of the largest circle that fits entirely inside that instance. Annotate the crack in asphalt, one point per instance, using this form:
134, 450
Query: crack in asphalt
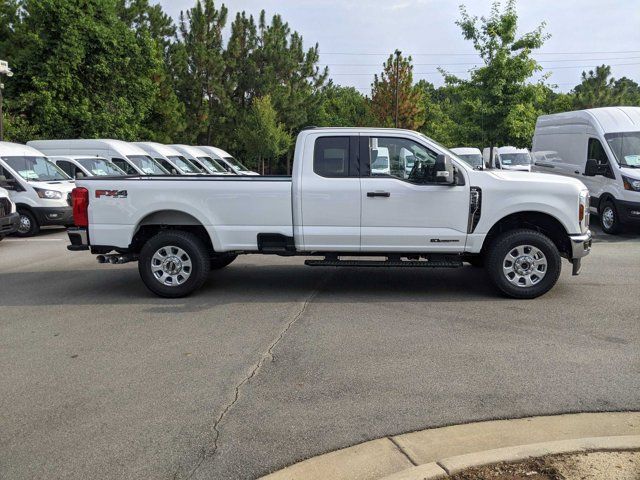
256, 367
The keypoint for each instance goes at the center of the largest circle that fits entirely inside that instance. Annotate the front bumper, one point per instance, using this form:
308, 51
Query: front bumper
580, 247
54, 215
9, 224
629, 212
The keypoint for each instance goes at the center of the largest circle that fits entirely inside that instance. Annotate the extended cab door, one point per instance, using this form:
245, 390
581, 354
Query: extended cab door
330, 193
402, 211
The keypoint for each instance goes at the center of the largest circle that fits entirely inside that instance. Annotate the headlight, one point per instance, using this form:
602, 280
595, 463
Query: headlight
49, 194
631, 184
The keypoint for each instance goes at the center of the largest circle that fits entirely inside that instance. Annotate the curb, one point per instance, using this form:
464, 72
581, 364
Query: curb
440, 452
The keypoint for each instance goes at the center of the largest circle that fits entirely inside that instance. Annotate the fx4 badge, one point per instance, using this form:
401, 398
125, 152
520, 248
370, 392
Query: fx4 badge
439, 240
111, 193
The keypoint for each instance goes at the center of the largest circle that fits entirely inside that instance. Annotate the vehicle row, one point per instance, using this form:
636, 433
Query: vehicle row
503, 158
37, 178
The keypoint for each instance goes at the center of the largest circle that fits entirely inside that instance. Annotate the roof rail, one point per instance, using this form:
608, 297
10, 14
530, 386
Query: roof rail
309, 127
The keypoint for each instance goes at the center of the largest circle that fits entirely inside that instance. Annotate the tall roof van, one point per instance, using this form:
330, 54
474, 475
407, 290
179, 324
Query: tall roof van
40, 190
128, 157
600, 147
471, 156
202, 159
228, 161
79, 166
170, 158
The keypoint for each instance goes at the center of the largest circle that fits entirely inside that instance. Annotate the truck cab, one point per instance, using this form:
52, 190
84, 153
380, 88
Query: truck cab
40, 190
228, 161
79, 166
203, 160
171, 159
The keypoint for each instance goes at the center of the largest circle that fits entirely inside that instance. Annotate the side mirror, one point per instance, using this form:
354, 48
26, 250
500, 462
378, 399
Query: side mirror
444, 170
79, 174
7, 184
591, 168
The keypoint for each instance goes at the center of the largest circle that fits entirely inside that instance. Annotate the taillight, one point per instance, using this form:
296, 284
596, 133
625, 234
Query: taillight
80, 202
581, 213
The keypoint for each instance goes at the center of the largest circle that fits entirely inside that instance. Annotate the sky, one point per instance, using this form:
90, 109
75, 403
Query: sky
356, 37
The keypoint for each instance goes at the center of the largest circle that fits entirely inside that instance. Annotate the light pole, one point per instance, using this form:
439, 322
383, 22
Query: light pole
4, 70
397, 54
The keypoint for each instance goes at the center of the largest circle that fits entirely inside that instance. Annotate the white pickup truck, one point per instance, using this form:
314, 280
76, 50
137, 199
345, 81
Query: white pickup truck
441, 213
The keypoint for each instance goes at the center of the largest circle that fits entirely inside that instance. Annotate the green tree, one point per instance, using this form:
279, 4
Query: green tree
438, 106
342, 107
80, 71
397, 70
498, 105
263, 136
199, 68
599, 89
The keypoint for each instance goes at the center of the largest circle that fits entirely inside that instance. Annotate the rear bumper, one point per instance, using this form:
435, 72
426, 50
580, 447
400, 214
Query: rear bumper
54, 215
9, 224
78, 239
580, 248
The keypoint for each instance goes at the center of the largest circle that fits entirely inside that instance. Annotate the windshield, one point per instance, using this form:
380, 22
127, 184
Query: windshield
183, 164
100, 167
37, 169
625, 147
515, 158
473, 159
237, 165
148, 165
212, 164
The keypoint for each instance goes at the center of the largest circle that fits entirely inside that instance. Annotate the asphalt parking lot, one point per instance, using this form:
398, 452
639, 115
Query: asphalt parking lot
273, 362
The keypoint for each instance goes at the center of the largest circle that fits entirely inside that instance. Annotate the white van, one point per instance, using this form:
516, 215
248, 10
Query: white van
9, 217
380, 164
40, 190
228, 161
600, 147
79, 166
202, 159
471, 156
170, 158
128, 157
508, 158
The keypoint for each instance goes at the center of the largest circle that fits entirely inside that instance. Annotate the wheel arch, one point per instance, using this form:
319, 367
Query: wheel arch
542, 222
168, 219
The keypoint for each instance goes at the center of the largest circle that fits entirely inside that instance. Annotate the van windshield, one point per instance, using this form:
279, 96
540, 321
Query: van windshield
100, 167
212, 164
37, 169
473, 159
625, 147
147, 165
236, 164
515, 158
183, 164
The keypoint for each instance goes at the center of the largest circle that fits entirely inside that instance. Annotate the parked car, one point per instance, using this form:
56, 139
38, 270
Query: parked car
473, 156
227, 161
601, 147
40, 190
202, 159
333, 206
78, 166
9, 217
170, 158
126, 156
508, 158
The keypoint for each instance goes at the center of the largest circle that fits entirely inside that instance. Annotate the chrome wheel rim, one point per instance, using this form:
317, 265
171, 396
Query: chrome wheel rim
25, 224
524, 266
171, 266
608, 218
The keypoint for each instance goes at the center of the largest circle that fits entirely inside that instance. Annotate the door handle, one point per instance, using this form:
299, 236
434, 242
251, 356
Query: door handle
378, 194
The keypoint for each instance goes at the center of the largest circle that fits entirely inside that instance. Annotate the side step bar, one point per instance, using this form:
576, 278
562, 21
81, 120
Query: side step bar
334, 262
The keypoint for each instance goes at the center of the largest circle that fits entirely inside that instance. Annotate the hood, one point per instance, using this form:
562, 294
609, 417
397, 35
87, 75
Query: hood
64, 186
535, 177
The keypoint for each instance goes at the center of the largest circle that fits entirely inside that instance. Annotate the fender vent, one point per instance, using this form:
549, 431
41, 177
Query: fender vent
475, 208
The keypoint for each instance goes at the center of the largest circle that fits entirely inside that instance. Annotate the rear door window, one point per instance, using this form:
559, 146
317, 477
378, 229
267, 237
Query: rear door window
335, 157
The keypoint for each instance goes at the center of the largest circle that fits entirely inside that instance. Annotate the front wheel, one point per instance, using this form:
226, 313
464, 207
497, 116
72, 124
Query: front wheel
609, 219
523, 263
174, 264
28, 225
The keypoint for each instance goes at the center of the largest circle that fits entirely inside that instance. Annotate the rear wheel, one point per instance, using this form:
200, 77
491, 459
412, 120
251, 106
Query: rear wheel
173, 264
609, 219
523, 263
28, 225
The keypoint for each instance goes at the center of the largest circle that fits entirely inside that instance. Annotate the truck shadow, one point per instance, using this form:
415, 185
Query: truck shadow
244, 283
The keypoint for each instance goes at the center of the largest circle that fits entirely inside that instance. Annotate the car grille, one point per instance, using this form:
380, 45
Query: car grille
5, 207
